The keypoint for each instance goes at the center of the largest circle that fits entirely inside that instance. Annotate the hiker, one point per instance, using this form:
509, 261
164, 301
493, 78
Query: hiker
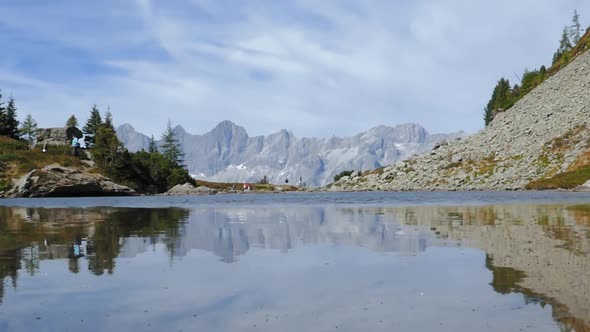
75, 146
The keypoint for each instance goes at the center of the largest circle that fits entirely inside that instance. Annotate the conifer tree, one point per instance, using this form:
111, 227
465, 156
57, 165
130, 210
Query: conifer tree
108, 120
72, 121
2, 114
152, 148
170, 148
576, 28
29, 130
106, 146
501, 99
565, 44
92, 126
8, 119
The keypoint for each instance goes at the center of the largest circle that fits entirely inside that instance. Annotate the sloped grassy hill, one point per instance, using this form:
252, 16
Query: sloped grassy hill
543, 141
16, 159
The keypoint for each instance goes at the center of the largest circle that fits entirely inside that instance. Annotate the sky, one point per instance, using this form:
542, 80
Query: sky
315, 67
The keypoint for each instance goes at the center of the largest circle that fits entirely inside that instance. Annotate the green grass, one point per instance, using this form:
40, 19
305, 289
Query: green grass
16, 159
567, 180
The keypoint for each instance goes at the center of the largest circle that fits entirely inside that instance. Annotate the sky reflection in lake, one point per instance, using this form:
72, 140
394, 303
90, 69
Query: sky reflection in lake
293, 268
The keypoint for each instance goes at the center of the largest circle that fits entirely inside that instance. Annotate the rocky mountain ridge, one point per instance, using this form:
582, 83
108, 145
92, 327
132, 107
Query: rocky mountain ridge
228, 154
544, 134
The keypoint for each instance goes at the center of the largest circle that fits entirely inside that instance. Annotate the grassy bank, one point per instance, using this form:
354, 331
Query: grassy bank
16, 159
567, 180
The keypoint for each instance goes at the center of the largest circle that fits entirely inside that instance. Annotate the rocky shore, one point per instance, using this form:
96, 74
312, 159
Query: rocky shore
58, 181
189, 189
543, 134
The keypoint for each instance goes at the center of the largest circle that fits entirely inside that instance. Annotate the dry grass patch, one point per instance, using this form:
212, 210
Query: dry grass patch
16, 159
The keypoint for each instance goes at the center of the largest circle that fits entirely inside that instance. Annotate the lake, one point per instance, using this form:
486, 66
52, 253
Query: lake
509, 261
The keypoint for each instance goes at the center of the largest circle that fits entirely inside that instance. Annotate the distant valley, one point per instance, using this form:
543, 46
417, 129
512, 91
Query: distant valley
228, 154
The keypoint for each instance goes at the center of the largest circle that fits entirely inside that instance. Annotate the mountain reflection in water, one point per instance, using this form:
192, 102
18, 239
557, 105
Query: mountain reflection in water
539, 251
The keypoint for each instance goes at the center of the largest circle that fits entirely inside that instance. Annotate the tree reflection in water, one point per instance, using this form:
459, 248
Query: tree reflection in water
28, 236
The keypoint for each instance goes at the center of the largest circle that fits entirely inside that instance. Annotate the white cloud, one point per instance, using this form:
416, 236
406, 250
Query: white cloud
315, 67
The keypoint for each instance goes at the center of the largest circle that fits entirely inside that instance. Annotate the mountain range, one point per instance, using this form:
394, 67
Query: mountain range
228, 154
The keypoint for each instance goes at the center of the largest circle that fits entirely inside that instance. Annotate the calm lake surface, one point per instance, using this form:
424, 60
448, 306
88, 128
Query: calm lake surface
297, 262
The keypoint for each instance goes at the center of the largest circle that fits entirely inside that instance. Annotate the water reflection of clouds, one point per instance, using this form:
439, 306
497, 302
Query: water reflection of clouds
326, 264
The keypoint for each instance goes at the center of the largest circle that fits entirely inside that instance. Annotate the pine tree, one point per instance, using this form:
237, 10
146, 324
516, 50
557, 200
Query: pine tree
29, 130
565, 44
3, 118
576, 28
92, 125
8, 119
170, 147
2, 115
108, 120
72, 121
501, 99
152, 148
106, 147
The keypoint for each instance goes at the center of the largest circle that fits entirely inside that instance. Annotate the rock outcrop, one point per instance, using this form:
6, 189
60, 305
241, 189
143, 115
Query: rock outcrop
52, 136
543, 134
583, 188
189, 189
58, 181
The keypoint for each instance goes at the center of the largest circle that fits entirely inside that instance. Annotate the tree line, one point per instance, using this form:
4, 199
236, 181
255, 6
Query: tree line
155, 170
8, 118
505, 95
9, 124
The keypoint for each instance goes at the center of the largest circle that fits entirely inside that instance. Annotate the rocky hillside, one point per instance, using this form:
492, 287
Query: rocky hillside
228, 154
544, 135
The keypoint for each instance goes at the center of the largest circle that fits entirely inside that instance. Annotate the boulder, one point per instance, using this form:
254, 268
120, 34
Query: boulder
189, 189
57, 181
52, 136
583, 188
440, 144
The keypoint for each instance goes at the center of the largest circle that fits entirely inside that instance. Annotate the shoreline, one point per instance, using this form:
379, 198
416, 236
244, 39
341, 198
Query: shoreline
308, 191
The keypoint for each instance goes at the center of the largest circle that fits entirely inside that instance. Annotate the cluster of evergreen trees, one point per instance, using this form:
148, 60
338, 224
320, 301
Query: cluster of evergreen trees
506, 95
569, 38
152, 171
8, 118
9, 124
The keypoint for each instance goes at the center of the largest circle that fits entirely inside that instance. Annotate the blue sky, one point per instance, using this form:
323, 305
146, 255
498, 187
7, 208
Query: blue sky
318, 68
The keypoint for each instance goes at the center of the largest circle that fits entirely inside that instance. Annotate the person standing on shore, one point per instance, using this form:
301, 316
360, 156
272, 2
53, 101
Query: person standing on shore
75, 146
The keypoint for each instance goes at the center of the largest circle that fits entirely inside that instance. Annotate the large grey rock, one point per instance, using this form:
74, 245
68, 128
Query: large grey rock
58, 181
52, 136
228, 154
583, 188
189, 189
